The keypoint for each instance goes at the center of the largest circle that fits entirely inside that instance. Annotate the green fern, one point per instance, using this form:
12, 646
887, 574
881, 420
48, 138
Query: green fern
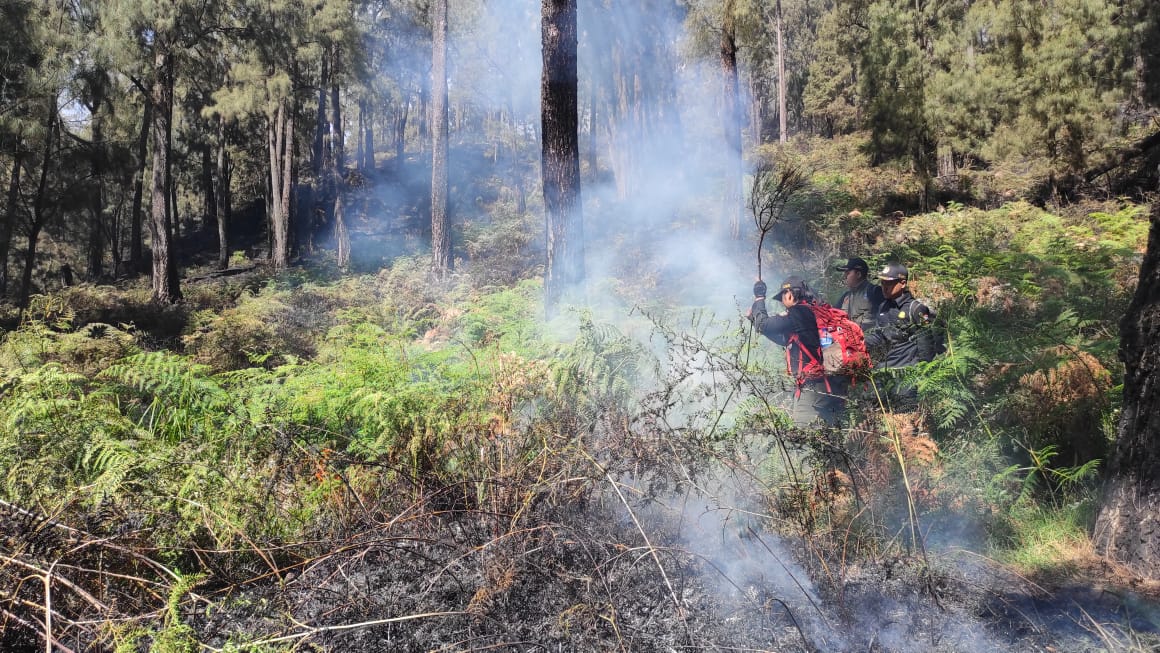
176, 398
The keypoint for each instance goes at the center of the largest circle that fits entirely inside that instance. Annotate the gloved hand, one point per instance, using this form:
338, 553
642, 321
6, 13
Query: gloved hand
893, 334
759, 288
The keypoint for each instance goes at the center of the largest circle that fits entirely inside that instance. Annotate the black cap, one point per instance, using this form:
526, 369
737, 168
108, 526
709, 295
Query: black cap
894, 272
855, 264
790, 282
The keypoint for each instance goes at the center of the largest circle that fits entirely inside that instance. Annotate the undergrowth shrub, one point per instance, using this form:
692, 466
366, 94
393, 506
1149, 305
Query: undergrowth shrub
269, 328
499, 249
1063, 402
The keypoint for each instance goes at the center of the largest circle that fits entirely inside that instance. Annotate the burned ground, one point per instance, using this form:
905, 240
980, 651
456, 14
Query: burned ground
570, 576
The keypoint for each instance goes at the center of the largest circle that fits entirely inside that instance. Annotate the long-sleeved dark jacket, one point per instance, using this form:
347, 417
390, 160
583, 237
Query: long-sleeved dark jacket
905, 326
800, 320
862, 303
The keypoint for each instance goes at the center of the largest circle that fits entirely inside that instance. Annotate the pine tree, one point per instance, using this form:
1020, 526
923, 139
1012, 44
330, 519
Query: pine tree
440, 236
560, 162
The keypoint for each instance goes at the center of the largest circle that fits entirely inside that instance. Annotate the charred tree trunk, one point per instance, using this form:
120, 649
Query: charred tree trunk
731, 122
136, 244
9, 223
224, 207
165, 283
440, 238
1128, 526
560, 157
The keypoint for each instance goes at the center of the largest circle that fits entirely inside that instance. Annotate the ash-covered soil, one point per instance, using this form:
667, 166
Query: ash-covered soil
584, 578
600, 570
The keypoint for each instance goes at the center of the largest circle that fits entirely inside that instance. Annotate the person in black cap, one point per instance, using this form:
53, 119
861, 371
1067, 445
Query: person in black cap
862, 297
905, 333
797, 331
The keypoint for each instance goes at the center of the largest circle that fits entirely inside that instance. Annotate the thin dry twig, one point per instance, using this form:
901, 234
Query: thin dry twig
315, 630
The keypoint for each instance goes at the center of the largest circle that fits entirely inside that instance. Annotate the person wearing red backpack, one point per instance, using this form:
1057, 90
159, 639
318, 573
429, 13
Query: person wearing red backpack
816, 396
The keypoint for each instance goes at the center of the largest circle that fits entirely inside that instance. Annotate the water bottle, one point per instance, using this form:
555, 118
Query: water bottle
824, 336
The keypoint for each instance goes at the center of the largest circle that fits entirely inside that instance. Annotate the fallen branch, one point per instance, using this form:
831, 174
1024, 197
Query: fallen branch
310, 632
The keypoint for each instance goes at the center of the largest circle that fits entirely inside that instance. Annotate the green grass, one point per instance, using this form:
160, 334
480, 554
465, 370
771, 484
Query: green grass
1042, 540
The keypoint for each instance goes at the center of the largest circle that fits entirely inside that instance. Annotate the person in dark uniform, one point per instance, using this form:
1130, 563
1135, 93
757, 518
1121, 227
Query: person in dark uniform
904, 333
797, 331
862, 297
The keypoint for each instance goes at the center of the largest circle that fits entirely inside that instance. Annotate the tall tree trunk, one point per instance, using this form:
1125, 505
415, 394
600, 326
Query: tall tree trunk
39, 209
783, 133
274, 133
166, 288
621, 129
359, 159
318, 151
341, 233
424, 112
560, 157
338, 140
337, 146
174, 214
440, 238
281, 135
96, 246
9, 223
592, 127
1128, 526
369, 139
731, 122
401, 134
224, 208
136, 239
209, 208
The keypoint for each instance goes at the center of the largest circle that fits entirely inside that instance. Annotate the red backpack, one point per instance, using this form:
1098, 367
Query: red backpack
845, 355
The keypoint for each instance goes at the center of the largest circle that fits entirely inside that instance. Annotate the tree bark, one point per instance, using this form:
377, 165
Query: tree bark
281, 139
166, 288
9, 224
440, 238
731, 122
560, 157
1128, 526
136, 240
224, 208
